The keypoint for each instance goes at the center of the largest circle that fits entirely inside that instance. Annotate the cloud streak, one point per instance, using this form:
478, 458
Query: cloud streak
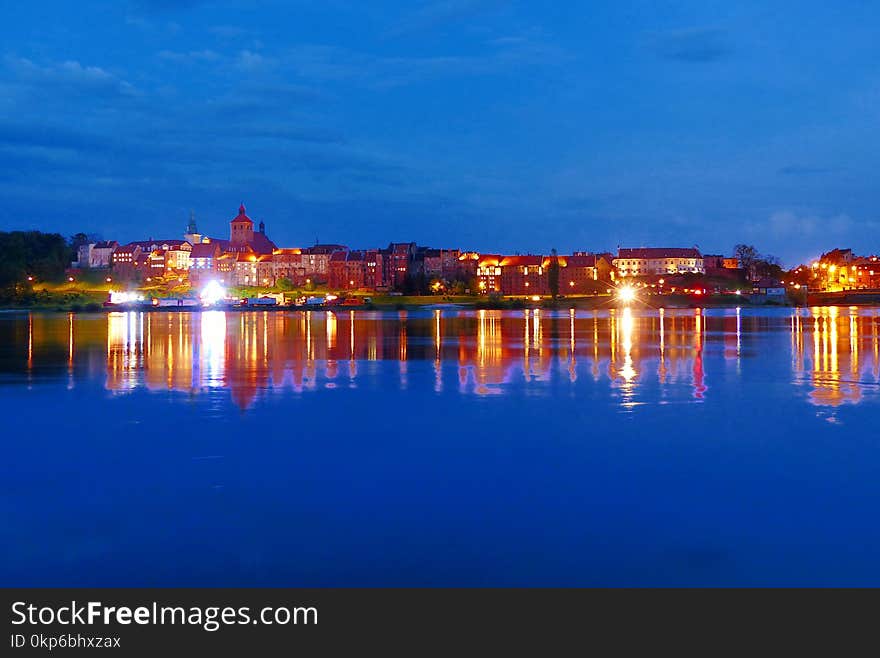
699, 45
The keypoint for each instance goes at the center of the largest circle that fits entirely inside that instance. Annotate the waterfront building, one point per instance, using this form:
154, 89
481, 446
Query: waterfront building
101, 254
243, 238
315, 260
398, 260
203, 261
95, 255
579, 273
83, 254
659, 261
489, 273
251, 269
158, 257
713, 262
769, 287
583, 273
865, 272
840, 269
524, 275
124, 256
353, 270
445, 264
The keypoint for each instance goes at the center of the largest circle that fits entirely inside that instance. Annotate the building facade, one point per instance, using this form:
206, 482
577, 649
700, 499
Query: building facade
658, 261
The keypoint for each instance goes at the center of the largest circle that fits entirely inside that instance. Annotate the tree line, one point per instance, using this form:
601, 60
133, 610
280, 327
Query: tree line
43, 256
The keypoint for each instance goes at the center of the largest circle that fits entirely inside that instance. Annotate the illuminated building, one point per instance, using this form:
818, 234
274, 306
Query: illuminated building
658, 261
529, 275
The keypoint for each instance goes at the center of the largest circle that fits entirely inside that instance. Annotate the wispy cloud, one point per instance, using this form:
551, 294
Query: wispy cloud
69, 75
694, 45
339, 64
248, 61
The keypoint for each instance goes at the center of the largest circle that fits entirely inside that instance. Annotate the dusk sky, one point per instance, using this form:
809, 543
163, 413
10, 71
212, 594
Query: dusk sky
479, 124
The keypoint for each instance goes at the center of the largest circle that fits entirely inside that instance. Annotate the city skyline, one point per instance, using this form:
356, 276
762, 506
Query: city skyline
487, 125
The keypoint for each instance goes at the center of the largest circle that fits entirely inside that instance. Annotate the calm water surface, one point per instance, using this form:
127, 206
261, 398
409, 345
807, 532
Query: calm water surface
441, 447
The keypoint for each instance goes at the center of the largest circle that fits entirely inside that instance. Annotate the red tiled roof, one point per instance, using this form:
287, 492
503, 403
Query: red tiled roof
205, 250
521, 261
242, 216
222, 243
148, 244
262, 245
578, 261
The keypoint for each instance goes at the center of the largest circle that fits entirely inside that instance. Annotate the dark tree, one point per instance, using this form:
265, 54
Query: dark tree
415, 284
747, 256
44, 256
768, 266
553, 274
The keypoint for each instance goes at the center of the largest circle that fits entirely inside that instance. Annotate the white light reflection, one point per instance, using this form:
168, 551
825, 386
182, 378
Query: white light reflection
213, 348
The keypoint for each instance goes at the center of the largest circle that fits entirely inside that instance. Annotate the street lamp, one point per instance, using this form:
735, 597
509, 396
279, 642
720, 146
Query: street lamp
626, 294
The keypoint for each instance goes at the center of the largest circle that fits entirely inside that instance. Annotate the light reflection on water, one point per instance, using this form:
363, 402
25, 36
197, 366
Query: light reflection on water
834, 352
441, 447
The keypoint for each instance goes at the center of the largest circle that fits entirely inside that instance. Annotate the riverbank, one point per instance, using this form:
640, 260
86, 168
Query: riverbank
77, 301
81, 297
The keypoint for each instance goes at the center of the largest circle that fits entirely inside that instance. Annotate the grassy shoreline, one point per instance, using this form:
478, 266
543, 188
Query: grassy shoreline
77, 298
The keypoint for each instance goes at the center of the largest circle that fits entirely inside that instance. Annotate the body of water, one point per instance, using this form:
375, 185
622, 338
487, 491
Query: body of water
441, 447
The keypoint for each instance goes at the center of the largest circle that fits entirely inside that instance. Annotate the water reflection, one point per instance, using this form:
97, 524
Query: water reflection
641, 356
836, 352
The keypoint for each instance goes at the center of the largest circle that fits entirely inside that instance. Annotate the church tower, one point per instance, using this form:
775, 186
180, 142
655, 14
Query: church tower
192, 234
241, 229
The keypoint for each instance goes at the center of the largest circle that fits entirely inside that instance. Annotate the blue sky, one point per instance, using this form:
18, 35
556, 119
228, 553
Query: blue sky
481, 124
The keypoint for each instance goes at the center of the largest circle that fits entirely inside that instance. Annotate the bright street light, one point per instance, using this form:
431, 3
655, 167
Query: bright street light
626, 294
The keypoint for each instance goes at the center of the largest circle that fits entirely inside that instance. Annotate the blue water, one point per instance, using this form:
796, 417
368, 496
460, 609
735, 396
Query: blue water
441, 448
